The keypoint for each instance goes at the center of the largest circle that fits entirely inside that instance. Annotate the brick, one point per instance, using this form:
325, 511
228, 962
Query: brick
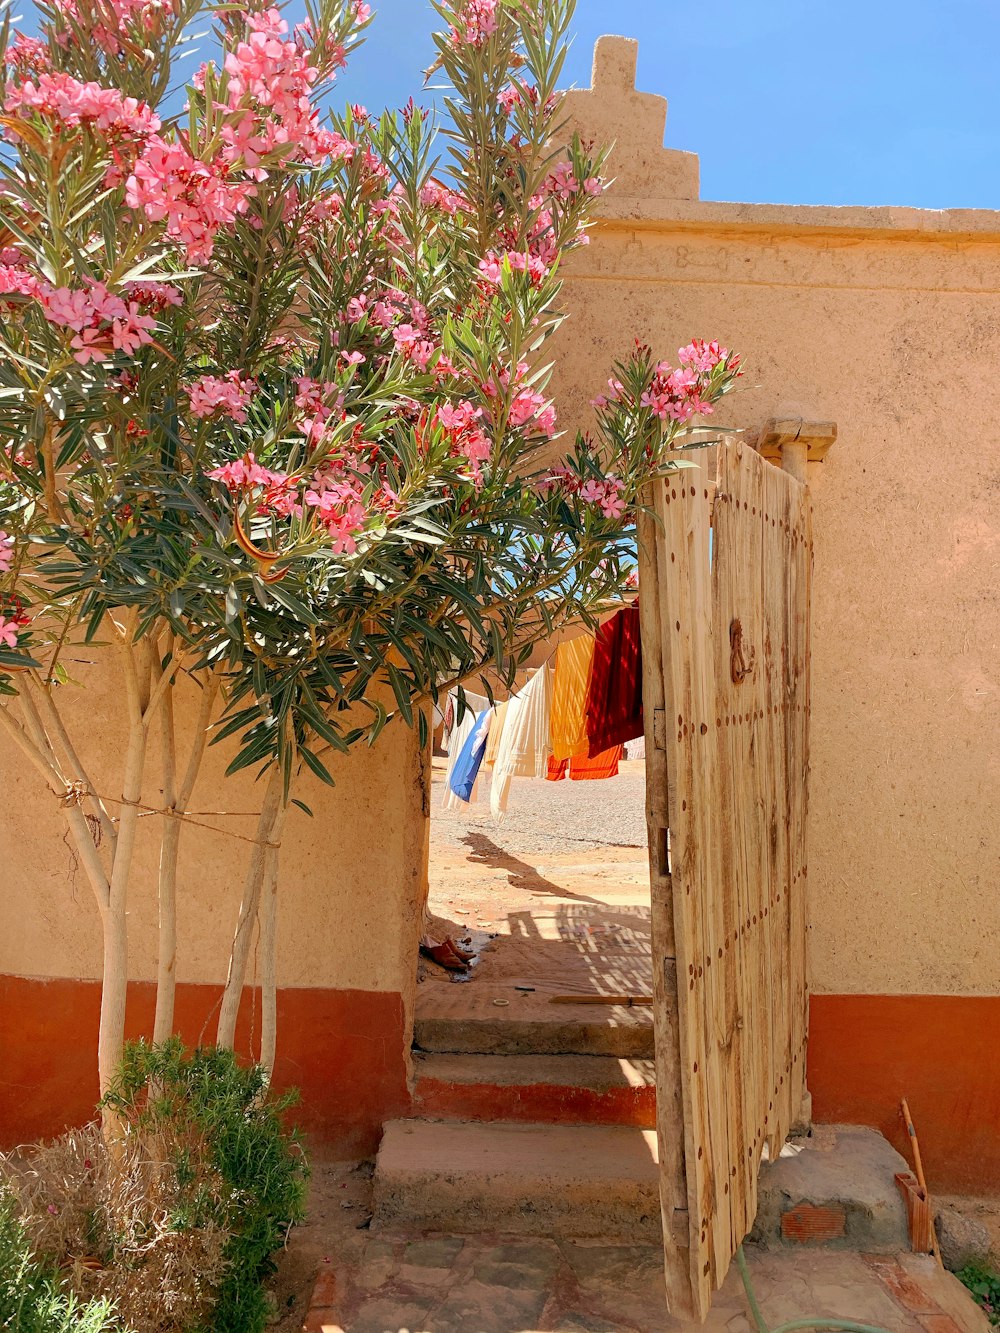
810, 1223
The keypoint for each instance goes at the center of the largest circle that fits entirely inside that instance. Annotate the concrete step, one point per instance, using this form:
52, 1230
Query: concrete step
559, 1181
537, 1028
835, 1188
542, 1089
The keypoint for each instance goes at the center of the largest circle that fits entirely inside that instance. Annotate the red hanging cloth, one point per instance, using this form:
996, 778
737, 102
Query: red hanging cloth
614, 700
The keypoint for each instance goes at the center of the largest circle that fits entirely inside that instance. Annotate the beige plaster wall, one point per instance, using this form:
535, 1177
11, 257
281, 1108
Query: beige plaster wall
886, 321
351, 877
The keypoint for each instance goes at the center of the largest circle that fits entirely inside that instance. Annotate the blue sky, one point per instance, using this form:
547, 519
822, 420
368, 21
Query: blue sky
785, 101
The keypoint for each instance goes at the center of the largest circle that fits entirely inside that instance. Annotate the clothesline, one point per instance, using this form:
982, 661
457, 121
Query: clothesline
572, 718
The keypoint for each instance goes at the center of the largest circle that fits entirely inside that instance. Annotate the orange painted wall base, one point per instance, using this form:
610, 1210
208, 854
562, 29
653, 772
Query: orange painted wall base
343, 1049
938, 1051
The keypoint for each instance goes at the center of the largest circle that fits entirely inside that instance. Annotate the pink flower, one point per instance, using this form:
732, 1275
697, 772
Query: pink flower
27, 55
475, 22
156, 296
435, 195
16, 281
356, 308
525, 406
246, 474
6, 551
491, 267
8, 632
702, 356
340, 509
227, 396
607, 494
457, 416
194, 198
561, 182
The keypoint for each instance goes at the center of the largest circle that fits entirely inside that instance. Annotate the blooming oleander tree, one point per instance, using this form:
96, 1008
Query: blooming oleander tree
273, 409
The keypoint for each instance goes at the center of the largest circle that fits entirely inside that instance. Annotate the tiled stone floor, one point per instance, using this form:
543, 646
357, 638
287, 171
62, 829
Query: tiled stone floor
482, 1284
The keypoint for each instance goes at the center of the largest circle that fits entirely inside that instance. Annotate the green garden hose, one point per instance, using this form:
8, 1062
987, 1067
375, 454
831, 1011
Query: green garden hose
761, 1325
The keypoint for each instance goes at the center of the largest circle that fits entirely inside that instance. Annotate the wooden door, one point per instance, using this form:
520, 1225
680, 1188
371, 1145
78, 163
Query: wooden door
724, 595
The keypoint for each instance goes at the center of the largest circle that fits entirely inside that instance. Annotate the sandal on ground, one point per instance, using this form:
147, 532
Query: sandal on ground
444, 957
466, 955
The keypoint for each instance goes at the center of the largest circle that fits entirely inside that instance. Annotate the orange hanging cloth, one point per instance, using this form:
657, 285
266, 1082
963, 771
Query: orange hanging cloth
574, 659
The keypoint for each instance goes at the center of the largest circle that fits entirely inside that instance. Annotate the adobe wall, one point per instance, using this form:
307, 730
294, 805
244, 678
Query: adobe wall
886, 321
352, 881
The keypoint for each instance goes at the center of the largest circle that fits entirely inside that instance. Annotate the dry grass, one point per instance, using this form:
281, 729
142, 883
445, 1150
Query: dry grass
139, 1231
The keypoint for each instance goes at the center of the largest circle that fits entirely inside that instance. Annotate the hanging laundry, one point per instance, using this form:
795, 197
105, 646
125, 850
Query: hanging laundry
614, 700
524, 745
462, 782
496, 731
582, 769
463, 728
636, 749
574, 660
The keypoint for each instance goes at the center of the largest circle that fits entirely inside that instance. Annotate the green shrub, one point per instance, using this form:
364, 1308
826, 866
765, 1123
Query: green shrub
985, 1286
31, 1296
207, 1096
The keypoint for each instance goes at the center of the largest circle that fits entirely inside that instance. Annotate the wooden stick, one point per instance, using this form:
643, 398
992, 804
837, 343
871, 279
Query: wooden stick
919, 1168
627, 1000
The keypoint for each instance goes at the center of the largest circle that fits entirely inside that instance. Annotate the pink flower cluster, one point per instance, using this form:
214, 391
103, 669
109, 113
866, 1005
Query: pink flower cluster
607, 493
8, 632
435, 195
475, 22
278, 491
318, 402
269, 84
102, 322
339, 505
27, 56
195, 198
63, 99
704, 357
520, 261
157, 296
221, 395
563, 185
528, 406
468, 440
16, 281
6, 551
114, 22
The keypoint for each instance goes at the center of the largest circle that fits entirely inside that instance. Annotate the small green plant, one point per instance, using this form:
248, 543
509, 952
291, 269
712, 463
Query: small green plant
984, 1284
32, 1299
207, 1097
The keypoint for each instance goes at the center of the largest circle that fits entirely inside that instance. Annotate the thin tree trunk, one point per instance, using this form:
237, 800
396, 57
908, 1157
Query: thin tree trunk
176, 799
236, 978
268, 949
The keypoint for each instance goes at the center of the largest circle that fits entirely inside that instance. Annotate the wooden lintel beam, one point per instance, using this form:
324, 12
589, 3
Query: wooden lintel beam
818, 437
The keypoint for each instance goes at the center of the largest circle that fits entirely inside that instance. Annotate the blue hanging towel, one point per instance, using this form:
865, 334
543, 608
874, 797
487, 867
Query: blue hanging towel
466, 770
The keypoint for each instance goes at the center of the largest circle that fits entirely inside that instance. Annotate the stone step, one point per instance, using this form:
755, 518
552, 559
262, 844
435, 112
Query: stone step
543, 1089
535, 1029
563, 1181
836, 1188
